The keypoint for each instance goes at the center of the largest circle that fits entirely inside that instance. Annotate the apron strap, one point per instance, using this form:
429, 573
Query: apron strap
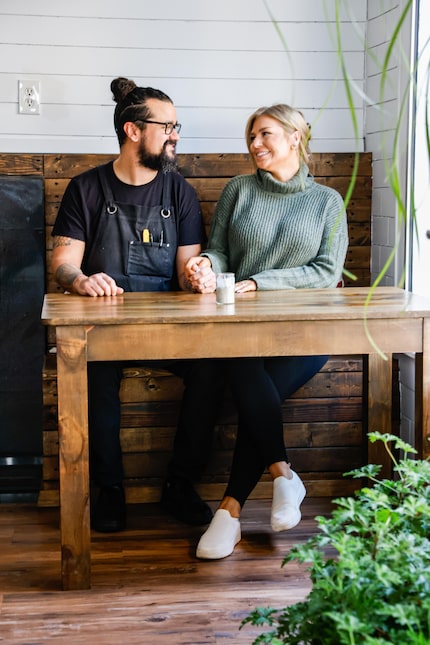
111, 207
166, 209
167, 188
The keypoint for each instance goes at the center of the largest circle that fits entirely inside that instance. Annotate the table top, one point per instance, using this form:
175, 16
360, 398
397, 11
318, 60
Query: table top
183, 307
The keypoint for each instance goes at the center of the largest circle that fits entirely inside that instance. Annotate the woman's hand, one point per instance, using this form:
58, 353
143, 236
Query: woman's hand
199, 275
245, 285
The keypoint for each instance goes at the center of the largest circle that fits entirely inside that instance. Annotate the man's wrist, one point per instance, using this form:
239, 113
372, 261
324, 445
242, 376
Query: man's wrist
77, 281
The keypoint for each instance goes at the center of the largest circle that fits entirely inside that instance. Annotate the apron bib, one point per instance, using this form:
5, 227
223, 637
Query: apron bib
136, 245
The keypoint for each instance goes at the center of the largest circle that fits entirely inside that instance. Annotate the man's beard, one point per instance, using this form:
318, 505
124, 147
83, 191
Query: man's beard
158, 162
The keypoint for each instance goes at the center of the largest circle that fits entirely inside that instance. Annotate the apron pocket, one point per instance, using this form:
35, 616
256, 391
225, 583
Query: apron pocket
150, 259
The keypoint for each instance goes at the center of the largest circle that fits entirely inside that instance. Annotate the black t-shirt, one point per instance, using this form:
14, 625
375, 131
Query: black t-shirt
83, 202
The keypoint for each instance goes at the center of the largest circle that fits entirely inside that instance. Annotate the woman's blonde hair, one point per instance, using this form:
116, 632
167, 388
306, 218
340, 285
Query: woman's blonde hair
290, 119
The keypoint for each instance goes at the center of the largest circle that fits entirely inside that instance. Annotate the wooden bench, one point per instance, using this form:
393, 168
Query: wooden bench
324, 427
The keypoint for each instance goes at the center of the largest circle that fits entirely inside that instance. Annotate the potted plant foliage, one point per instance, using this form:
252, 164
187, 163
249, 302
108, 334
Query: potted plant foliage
369, 565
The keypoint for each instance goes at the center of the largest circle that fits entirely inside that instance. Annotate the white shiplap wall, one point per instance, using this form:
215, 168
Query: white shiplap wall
382, 116
217, 60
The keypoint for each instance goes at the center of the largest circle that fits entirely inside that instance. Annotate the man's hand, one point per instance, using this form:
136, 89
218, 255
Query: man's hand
67, 258
98, 284
199, 275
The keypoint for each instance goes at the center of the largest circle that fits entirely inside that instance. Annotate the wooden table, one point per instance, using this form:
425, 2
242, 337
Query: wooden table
139, 326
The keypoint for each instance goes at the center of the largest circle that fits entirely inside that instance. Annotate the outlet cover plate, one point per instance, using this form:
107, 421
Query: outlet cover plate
29, 97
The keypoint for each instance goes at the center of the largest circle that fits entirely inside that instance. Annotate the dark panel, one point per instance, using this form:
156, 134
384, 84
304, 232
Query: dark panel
22, 337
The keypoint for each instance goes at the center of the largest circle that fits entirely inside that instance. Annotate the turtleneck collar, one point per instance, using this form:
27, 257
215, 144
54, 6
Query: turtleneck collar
296, 184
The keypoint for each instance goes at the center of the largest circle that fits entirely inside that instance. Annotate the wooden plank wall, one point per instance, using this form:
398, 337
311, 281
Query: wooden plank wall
323, 422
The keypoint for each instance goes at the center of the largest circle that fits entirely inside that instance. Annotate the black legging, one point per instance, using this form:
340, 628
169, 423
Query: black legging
259, 386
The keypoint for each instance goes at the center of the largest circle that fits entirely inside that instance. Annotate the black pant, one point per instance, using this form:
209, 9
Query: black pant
203, 381
259, 386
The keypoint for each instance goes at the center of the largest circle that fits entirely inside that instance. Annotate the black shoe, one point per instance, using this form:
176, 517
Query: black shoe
181, 500
109, 511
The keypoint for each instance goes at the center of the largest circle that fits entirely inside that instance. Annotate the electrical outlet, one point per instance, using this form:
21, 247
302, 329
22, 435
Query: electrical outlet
29, 97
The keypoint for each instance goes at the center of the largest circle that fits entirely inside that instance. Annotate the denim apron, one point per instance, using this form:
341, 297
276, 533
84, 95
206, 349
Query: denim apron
136, 245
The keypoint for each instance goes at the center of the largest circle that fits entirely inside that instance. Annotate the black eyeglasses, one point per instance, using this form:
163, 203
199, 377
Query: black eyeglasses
168, 127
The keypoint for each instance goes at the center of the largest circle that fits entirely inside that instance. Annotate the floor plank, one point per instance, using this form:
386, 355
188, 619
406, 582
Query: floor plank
147, 585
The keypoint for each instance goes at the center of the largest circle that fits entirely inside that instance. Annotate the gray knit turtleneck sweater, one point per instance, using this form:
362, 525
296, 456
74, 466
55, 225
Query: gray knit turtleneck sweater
283, 235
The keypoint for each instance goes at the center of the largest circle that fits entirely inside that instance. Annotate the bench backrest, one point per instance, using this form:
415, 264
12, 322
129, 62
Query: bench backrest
208, 173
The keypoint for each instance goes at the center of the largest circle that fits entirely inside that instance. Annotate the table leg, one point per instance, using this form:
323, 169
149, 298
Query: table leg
419, 426
73, 457
425, 428
379, 408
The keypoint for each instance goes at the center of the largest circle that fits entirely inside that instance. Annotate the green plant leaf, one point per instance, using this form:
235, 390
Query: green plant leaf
369, 564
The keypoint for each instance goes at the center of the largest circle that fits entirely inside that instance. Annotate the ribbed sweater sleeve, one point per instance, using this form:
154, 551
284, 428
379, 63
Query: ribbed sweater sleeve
283, 235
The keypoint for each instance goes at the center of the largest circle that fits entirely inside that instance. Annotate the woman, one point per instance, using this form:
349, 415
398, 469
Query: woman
275, 229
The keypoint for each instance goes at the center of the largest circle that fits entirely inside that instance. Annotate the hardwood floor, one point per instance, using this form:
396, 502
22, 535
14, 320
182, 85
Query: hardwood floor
147, 585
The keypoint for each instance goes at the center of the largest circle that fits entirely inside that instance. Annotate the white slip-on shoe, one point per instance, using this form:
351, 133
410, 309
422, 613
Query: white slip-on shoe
220, 538
288, 494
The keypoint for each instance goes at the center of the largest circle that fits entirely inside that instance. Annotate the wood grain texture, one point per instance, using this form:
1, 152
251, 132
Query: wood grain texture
21, 164
147, 585
74, 461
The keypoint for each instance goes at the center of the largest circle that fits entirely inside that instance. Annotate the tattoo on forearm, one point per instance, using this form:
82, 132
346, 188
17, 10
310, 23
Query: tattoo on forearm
61, 240
66, 274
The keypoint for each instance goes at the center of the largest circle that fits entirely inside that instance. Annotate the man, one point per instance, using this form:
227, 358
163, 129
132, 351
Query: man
131, 225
